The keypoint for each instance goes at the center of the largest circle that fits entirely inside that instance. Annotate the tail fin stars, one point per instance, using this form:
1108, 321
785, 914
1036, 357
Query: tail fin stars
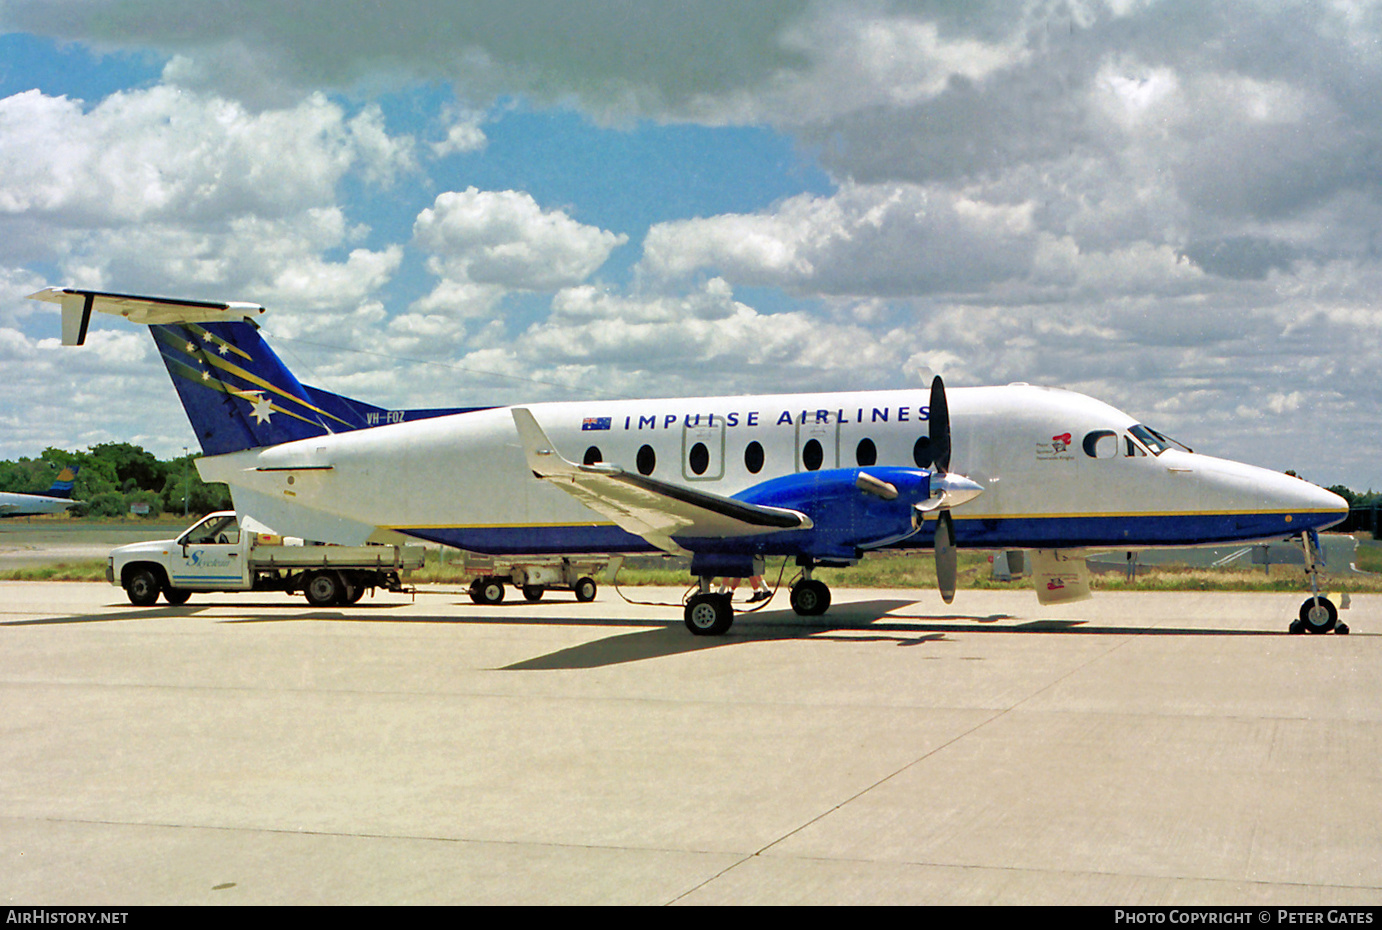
232, 385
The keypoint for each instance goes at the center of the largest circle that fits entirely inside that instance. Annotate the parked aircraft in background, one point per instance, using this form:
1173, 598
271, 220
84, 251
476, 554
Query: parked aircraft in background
55, 500
822, 478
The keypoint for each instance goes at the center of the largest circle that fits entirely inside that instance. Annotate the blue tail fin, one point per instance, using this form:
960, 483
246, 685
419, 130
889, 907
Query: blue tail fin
235, 390
62, 486
239, 394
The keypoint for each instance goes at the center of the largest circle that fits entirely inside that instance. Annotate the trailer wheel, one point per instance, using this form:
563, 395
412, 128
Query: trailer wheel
142, 587
585, 589
323, 589
490, 590
533, 592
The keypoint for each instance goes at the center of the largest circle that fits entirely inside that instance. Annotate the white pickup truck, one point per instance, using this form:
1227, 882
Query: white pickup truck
218, 555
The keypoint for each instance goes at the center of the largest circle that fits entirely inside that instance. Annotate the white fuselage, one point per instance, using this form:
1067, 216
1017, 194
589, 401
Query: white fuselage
26, 505
1058, 469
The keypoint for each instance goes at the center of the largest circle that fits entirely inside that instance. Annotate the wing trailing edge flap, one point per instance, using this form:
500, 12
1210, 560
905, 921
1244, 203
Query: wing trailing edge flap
655, 510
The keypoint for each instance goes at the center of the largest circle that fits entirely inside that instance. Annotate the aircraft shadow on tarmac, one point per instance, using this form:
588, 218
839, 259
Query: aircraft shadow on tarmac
880, 620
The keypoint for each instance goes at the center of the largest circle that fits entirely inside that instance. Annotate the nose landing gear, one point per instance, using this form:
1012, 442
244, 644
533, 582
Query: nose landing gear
1318, 614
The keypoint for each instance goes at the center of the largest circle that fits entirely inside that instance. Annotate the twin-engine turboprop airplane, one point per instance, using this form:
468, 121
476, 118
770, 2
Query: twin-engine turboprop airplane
821, 478
57, 499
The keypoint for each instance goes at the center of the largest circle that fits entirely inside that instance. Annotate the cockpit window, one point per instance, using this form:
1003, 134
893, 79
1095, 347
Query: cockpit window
1157, 442
1148, 439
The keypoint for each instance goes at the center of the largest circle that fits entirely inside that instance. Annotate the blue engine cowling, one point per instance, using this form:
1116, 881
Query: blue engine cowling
846, 518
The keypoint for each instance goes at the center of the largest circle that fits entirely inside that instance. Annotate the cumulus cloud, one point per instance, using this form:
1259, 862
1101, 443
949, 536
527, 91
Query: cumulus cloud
505, 238
161, 153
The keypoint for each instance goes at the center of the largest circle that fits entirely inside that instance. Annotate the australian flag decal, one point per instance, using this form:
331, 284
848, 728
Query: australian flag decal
590, 423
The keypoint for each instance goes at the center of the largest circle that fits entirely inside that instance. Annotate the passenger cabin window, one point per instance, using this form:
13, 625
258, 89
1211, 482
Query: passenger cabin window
921, 452
866, 453
1101, 444
647, 460
753, 457
812, 455
699, 458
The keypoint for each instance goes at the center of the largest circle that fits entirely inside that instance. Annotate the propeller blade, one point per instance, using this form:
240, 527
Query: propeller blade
947, 557
939, 419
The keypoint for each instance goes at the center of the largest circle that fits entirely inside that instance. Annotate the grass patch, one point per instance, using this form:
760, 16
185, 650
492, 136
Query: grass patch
85, 570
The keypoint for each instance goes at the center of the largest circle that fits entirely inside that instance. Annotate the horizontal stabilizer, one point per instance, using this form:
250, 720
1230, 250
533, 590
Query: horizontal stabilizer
655, 510
78, 305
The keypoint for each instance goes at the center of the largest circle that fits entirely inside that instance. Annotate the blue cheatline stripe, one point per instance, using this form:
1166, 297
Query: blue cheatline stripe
1106, 531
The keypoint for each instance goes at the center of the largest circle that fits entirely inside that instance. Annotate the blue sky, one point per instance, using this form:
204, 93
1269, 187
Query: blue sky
450, 203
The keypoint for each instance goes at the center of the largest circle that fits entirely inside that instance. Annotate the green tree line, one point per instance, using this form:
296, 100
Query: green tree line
115, 475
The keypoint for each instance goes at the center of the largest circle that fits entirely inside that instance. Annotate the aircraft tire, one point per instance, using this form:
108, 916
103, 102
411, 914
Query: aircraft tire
324, 589
142, 588
585, 590
176, 596
709, 614
533, 592
1321, 618
810, 598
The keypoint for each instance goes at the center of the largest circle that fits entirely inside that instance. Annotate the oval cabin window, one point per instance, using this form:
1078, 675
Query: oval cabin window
753, 457
699, 458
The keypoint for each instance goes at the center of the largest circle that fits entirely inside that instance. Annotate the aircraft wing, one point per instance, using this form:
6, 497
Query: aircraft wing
655, 510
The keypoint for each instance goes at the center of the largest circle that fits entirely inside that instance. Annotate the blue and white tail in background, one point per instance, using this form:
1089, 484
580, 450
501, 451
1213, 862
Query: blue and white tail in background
237, 393
62, 485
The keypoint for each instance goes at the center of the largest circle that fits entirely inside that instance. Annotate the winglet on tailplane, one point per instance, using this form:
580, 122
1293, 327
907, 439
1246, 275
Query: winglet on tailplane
237, 393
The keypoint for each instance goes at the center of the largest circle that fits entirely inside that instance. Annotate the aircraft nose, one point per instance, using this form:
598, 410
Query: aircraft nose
1306, 503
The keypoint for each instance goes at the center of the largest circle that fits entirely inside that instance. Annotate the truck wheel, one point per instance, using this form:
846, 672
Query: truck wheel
142, 587
323, 589
176, 596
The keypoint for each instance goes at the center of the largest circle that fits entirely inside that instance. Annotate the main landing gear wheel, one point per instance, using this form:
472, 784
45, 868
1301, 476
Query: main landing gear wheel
585, 590
810, 598
709, 614
487, 590
1321, 617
